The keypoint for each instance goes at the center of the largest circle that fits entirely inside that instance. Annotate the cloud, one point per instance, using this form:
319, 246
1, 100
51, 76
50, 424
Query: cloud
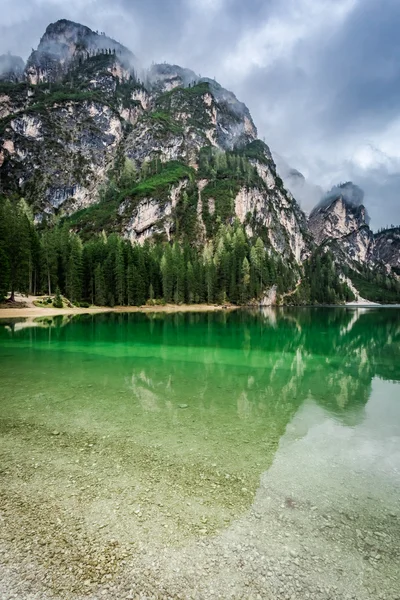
320, 77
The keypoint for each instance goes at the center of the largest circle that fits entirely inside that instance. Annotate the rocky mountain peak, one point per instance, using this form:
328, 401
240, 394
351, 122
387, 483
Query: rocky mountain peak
66, 42
162, 154
164, 77
387, 247
341, 220
339, 213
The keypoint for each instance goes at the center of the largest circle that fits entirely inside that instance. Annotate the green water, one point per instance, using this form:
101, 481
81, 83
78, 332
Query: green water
162, 426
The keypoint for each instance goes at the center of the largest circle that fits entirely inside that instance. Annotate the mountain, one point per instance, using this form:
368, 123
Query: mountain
340, 216
63, 45
82, 112
102, 147
371, 262
387, 247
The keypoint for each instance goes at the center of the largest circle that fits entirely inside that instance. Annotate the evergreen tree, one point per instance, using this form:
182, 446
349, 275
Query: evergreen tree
209, 272
245, 280
75, 270
190, 284
5, 268
16, 246
106, 270
151, 292
167, 274
120, 275
179, 274
130, 284
99, 286
49, 260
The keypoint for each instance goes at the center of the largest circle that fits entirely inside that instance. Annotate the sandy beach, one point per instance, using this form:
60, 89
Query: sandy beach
27, 308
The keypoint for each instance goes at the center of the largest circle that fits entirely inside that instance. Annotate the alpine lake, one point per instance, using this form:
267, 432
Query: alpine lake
239, 454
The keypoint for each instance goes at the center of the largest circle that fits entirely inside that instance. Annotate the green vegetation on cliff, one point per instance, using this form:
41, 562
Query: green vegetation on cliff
376, 286
108, 270
321, 283
154, 180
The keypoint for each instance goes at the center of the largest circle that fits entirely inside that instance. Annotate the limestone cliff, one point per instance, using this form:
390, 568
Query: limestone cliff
387, 247
64, 44
83, 110
346, 224
340, 221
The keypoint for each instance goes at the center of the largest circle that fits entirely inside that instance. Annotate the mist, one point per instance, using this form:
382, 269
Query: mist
351, 194
11, 64
317, 100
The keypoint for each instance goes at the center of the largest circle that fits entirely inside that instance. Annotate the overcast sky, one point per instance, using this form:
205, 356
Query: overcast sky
321, 77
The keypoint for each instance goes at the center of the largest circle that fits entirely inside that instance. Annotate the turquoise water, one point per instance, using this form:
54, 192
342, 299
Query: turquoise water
163, 427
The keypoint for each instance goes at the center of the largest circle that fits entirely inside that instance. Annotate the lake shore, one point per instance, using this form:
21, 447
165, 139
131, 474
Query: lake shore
28, 309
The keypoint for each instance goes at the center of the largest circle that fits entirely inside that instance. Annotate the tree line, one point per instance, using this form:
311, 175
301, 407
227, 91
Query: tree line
109, 270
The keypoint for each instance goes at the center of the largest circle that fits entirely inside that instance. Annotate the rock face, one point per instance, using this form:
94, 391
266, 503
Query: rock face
60, 156
62, 141
77, 114
336, 215
341, 221
279, 214
336, 220
66, 43
150, 216
184, 119
230, 117
387, 248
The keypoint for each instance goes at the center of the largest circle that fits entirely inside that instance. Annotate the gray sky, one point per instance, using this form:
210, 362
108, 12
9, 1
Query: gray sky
320, 77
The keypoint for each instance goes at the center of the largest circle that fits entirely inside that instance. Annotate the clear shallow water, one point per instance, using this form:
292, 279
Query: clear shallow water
165, 429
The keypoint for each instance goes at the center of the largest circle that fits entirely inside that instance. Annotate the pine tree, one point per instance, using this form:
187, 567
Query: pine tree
167, 275
260, 260
4, 252
75, 270
64, 249
99, 286
245, 280
130, 284
179, 274
190, 283
49, 260
35, 261
142, 284
17, 231
120, 275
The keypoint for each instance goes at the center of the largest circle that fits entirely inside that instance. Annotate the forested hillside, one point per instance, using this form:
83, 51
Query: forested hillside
108, 270
122, 187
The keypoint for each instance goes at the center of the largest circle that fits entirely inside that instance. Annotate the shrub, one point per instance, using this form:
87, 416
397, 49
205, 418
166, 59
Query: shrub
58, 303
